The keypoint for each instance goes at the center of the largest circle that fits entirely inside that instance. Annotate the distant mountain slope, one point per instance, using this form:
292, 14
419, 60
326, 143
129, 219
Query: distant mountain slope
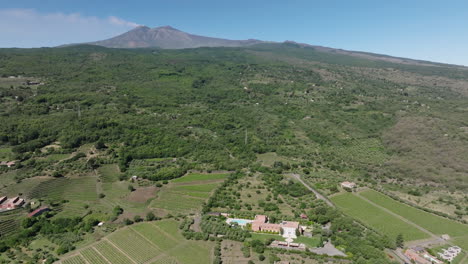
168, 38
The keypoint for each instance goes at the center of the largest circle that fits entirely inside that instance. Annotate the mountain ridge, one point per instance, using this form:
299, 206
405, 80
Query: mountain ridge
168, 37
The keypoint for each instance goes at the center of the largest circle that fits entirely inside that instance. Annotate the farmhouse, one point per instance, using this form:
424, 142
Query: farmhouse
289, 228
349, 185
9, 204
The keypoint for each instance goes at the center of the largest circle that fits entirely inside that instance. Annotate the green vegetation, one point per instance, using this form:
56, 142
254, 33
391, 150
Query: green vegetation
92, 256
264, 112
144, 241
134, 245
186, 194
200, 177
376, 218
436, 224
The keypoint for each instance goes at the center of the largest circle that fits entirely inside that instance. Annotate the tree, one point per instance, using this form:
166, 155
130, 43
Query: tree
399, 241
100, 144
150, 216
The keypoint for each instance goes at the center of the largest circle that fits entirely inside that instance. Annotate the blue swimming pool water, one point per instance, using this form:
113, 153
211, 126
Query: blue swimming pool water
240, 221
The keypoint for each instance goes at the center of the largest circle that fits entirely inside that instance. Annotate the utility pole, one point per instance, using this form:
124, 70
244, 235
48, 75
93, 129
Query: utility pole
79, 112
245, 139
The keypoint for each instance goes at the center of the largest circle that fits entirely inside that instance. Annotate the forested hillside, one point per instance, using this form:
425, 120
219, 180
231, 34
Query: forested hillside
399, 128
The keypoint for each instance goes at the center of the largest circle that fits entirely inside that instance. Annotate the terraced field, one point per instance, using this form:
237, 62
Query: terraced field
150, 242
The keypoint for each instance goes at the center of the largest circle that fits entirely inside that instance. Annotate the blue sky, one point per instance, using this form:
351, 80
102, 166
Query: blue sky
422, 29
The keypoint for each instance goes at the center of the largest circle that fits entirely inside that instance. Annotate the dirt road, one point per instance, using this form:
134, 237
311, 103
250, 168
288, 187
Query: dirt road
317, 194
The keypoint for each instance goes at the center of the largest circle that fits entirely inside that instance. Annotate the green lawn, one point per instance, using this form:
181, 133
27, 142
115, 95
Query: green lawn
376, 218
310, 242
200, 177
265, 237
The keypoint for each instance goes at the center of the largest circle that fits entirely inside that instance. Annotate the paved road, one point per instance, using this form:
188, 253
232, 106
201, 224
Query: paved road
317, 194
328, 249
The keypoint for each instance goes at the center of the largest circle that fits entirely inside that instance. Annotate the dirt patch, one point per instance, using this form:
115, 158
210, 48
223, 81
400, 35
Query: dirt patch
142, 194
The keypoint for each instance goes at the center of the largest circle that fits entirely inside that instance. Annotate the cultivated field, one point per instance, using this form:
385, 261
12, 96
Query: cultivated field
186, 194
435, 224
376, 217
151, 242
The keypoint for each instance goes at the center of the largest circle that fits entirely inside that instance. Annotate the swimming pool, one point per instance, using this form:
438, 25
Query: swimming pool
241, 222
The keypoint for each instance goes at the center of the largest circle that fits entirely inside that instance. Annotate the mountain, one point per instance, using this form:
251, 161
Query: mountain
168, 38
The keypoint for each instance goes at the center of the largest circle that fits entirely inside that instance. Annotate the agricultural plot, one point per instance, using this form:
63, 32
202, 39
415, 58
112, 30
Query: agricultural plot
200, 177
109, 173
92, 256
187, 194
377, 218
10, 221
5, 153
74, 260
157, 242
156, 236
111, 253
166, 260
436, 224
134, 245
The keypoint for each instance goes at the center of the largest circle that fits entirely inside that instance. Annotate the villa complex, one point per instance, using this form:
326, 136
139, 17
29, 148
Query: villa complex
286, 228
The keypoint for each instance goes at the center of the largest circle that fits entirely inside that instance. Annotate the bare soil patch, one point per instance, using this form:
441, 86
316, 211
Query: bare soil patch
142, 194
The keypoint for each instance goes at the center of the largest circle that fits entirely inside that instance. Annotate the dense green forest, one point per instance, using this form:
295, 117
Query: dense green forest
222, 106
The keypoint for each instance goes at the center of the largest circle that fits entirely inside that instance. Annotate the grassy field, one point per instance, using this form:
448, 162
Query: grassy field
435, 224
5, 153
376, 217
200, 177
186, 194
157, 242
